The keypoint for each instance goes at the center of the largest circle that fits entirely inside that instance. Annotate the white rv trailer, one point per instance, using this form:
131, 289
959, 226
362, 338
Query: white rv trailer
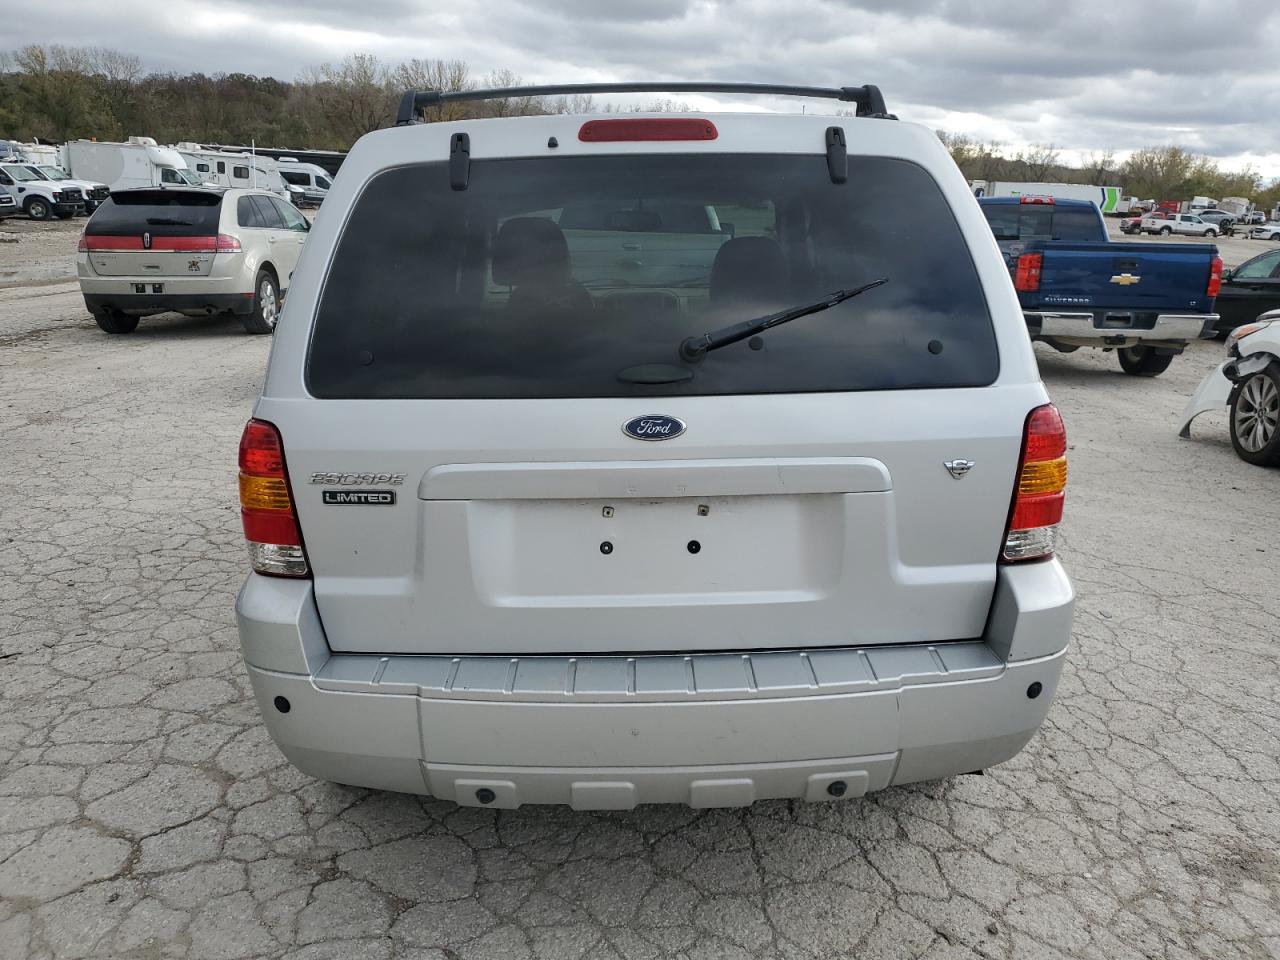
138, 163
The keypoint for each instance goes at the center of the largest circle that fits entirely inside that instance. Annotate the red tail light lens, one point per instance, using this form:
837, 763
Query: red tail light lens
647, 128
1040, 493
223, 243
83, 245
266, 506
1033, 198
1027, 276
1215, 278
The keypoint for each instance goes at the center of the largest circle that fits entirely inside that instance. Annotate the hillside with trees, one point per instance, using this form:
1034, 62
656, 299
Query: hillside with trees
1159, 173
60, 93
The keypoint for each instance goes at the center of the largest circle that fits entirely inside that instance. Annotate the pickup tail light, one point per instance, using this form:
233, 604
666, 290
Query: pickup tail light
1215, 278
1036, 198
266, 505
1039, 493
1026, 277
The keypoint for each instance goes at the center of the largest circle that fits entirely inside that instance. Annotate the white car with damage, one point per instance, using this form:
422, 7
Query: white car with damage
1247, 383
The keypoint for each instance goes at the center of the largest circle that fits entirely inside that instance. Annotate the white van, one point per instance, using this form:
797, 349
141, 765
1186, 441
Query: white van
528, 524
121, 166
314, 180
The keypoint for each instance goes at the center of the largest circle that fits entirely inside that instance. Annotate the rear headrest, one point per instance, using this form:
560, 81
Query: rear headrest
530, 250
749, 270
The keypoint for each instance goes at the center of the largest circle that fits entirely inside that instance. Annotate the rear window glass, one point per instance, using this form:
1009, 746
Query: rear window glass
581, 276
162, 213
1042, 221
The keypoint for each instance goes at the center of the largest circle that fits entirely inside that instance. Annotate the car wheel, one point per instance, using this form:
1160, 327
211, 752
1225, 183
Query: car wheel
1143, 361
1255, 417
1165, 231
266, 305
113, 321
38, 209
1210, 233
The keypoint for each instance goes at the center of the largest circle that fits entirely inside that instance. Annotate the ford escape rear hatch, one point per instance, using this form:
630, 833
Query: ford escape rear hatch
479, 352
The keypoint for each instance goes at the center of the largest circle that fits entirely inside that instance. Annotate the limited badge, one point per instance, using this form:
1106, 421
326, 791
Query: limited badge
360, 498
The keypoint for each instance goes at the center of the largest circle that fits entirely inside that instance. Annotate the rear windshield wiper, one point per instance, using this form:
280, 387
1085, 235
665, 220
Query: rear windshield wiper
694, 349
167, 222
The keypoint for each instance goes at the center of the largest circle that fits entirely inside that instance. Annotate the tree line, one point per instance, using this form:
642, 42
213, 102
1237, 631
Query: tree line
62, 93
58, 93
1157, 173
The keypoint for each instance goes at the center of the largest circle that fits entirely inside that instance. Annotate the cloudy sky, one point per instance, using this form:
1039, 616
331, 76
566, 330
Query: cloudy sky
1082, 74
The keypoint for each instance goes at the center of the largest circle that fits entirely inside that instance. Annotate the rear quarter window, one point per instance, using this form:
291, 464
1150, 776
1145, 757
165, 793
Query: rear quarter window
559, 277
1035, 221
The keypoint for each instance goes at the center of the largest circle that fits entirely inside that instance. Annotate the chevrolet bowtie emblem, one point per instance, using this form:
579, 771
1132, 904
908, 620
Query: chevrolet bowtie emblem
1125, 279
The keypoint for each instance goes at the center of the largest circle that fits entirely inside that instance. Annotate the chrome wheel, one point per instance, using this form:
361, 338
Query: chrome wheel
267, 302
1257, 413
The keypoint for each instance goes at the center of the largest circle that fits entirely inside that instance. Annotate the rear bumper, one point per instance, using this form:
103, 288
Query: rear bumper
612, 732
144, 304
1095, 327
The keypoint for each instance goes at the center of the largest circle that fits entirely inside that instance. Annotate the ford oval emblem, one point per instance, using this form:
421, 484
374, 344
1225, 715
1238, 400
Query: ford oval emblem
655, 426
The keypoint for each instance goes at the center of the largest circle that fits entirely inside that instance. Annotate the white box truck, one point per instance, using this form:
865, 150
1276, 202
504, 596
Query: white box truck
1106, 199
138, 163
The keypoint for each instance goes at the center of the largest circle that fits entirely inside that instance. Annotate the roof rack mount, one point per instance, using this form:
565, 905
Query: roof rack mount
868, 99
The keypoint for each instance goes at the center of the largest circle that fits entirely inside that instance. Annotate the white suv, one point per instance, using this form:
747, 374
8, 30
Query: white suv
193, 250
532, 521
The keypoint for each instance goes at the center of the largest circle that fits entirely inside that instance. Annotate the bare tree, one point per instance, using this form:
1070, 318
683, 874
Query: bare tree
120, 69
448, 76
354, 94
511, 106
963, 148
579, 103
1039, 160
1099, 166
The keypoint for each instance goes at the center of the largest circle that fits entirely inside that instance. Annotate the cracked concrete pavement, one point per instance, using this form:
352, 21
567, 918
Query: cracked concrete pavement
144, 812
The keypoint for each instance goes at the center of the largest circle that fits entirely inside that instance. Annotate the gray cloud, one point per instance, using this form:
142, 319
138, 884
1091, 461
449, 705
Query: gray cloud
1084, 74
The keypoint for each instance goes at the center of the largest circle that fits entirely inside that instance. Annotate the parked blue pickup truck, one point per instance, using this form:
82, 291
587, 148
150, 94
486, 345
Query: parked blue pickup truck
1146, 301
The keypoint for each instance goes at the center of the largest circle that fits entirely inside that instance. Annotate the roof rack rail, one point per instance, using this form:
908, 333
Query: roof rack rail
868, 98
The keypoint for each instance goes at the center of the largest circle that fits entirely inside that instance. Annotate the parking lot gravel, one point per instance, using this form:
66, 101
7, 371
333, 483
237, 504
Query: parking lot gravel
144, 812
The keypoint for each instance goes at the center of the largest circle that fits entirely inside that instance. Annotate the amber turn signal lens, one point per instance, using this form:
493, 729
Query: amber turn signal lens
1044, 476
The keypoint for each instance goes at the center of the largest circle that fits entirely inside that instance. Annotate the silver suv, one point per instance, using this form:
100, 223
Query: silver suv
742, 486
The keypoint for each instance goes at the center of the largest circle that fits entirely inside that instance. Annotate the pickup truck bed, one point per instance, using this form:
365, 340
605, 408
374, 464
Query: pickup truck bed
1147, 301
1120, 291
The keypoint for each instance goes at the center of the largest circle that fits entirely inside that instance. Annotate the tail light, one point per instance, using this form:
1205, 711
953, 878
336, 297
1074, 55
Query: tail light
1034, 198
266, 506
83, 245
1039, 494
227, 244
1027, 277
1215, 278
